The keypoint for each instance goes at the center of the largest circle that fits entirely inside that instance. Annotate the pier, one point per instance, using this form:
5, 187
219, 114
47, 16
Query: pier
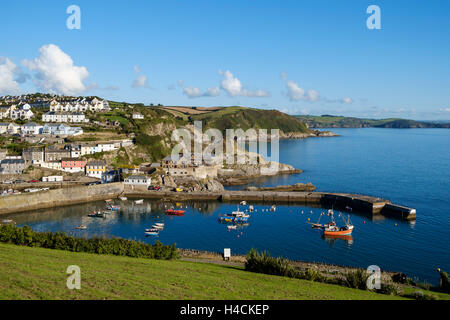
80, 194
348, 202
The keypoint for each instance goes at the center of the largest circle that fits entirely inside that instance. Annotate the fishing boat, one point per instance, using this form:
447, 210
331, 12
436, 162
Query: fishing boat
173, 212
123, 198
157, 227
97, 215
141, 201
331, 229
234, 217
151, 232
82, 227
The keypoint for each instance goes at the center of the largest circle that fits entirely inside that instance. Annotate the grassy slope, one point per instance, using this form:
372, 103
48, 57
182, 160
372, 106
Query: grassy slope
35, 273
245, 118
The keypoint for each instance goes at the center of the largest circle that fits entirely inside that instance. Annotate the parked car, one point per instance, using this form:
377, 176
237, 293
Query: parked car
33, 181
156, 188
18, 181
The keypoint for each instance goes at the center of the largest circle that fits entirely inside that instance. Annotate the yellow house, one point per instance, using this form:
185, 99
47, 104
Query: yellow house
96, 168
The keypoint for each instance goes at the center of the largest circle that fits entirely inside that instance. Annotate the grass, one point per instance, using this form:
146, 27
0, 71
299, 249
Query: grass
36, 273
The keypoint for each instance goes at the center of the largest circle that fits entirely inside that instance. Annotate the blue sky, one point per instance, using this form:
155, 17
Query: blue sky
311, 57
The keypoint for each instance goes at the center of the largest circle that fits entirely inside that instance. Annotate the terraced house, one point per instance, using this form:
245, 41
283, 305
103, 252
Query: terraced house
72, 117
95, 168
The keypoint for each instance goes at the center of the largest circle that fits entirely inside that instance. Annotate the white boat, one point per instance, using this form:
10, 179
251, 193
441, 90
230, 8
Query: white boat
273, 208
123, 198
159, 224
243, 203
234, 227
141, 201
8, 221
82, 227
157, 227
151, 232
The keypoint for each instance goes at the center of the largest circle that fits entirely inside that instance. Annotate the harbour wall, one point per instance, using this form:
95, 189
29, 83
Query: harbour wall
58, 197
81, 194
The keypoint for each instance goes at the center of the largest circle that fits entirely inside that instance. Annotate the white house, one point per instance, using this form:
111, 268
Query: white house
138, 115
31, 128
138, 180
52, 179
105, 147
23, 112
73, 117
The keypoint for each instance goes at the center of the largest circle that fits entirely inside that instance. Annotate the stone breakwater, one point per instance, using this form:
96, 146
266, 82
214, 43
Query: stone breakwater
59, 197
74, 195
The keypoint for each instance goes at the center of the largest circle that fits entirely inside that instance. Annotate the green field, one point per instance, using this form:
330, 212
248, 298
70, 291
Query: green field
36, 273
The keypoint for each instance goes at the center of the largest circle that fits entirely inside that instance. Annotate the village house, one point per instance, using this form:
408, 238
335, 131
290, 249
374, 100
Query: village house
2, 154
54, 154
9, 128
33, 155
95, 168
12, 166
72, 117
55, 165
137, 115
52, 179
23, 112
31, 128
138, 180
61, 130
129, 169
73, 165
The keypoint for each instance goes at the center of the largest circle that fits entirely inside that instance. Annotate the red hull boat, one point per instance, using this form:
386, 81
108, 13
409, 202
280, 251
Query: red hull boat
172, 212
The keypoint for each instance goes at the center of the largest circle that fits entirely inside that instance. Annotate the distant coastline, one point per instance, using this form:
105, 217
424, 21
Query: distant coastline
329, 121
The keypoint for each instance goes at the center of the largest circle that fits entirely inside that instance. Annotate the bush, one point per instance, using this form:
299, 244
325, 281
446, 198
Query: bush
356, 279
313, 275
389, 289
264, 263
59, 240
444, 283
419, 295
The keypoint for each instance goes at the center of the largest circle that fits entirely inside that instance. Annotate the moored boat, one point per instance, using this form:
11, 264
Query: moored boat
140, 201
331, 229
123, 198
173, 212
97, 215
113, 207
81, 227
234, 217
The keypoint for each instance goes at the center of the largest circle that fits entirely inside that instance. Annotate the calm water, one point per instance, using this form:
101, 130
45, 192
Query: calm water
409, 167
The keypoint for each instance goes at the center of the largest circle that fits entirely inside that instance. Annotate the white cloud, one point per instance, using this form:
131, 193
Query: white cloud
8, 84
445, 109
140, 82
233, 87
180, 83
347, 100
136, 69
296, 93
55, 71
196, 92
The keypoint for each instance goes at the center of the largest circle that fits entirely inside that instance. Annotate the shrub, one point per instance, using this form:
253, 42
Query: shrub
419, 295
444, 283
389, 289
264, 263
59, 240
313, 275
356, 279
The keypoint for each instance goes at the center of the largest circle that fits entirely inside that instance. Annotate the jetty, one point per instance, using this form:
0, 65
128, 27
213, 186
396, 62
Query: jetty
82, 194
344, 201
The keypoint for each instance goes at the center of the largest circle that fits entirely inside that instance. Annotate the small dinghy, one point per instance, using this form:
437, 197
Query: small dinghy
82, 227
8, 221
273, 208
97, 215
157, 227
151, 232
140, 201
123, 198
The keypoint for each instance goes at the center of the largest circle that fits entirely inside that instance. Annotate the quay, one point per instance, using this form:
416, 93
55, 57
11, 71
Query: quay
81, 194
